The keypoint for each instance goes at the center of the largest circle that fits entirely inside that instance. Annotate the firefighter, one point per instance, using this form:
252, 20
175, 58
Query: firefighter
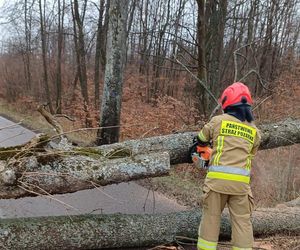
235, 140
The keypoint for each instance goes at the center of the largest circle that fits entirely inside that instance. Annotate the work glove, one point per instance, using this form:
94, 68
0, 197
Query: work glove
199, 142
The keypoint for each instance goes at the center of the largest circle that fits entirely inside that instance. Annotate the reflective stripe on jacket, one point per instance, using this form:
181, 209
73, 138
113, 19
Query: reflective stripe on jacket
229, 173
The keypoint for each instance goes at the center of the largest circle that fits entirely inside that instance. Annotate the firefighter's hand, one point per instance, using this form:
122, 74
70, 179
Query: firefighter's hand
199, 142
192, 150
206, 164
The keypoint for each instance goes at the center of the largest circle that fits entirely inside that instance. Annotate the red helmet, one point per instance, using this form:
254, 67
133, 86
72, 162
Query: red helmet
237, 93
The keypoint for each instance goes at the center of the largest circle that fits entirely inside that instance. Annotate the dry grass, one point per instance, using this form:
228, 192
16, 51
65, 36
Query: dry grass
29, 118
32, 119
183, 184
276, 175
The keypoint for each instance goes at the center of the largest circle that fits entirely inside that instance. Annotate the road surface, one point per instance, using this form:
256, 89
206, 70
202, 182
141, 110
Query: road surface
12, 134
127, 198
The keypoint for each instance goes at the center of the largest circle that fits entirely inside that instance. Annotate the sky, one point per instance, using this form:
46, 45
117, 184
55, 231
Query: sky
2, 30
1, 3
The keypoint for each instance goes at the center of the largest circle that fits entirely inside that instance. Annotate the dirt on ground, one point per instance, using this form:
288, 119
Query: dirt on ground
272, 243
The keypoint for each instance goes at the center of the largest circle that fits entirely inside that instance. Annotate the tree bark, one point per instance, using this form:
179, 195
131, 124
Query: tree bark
202, 70
60, 37
44, 56
81, 48
121, 231
216, 20
99, 49
28, 34
283, 133
113, 82
56, 174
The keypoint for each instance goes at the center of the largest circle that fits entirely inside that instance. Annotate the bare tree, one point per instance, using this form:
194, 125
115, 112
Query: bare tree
28, 35
202, 70
100, 42
44, 53
59, 56
216, 12
263, 35
80, 47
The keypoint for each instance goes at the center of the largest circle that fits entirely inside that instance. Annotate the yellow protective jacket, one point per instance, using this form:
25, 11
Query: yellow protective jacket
234, 145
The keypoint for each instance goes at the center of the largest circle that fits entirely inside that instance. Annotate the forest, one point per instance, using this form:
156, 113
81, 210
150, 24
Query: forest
143, 77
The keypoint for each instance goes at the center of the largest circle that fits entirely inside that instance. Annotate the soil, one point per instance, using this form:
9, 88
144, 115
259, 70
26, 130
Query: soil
272, 243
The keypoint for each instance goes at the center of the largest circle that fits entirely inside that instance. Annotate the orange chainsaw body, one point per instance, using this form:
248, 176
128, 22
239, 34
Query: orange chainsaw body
204, 152
202, 156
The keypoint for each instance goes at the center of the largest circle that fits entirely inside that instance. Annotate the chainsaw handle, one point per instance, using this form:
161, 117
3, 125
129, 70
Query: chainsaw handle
192, 150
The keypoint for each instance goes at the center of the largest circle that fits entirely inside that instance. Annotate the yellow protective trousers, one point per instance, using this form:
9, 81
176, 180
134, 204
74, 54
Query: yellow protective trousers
240, 208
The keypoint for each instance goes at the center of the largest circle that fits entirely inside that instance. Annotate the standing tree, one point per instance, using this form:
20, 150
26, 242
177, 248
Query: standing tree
202, 70
59, 56
113, 82
28, 38
44, 54
78, 21
215, 15
100, 41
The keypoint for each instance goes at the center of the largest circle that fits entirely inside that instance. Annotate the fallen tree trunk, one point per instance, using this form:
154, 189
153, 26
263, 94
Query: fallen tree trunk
77, 172
274, 135
43, 167
119, 230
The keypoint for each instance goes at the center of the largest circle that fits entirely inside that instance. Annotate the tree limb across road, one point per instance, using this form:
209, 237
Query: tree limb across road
45, 167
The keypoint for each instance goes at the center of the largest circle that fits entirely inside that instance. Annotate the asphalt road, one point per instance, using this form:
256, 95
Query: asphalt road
127, 198
12, 134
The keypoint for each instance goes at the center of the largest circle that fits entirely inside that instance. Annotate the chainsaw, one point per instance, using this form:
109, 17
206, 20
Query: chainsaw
200, 155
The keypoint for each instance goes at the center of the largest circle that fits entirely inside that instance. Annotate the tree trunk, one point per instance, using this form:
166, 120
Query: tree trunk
27, 59
80, 50
274, 135
202, 71
216, 20
105, 30
143, 39
122, 231
59, 56
113, 82
44, 56
99, 50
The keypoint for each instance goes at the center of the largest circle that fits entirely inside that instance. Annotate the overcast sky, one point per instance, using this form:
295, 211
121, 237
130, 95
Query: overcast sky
1, 20
1, 3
